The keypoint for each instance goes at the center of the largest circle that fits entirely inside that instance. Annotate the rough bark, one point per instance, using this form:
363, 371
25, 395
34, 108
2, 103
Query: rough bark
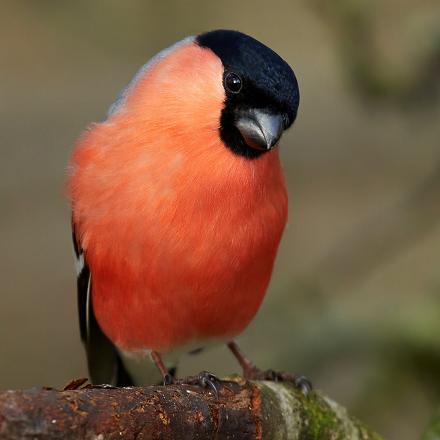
243, 410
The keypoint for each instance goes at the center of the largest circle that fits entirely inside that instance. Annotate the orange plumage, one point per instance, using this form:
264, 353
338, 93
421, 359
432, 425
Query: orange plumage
180, 233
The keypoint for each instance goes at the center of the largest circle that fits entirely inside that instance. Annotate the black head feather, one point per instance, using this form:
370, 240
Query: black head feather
268, 83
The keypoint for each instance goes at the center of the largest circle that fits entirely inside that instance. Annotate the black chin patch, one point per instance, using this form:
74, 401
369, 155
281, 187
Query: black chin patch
232, 137
268, 83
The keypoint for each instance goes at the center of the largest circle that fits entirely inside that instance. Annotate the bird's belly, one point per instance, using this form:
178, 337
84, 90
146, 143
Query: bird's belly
179, 305
188, 291
190, 270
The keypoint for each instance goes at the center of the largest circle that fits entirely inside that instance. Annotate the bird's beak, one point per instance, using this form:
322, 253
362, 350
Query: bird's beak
260, 129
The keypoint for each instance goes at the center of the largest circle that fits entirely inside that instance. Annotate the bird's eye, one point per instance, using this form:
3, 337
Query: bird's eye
232, 82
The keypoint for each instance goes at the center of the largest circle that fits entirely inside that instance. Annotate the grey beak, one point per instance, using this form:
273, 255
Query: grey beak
260, 129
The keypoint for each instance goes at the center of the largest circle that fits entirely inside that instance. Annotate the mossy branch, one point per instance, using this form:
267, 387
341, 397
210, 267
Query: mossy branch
243, 410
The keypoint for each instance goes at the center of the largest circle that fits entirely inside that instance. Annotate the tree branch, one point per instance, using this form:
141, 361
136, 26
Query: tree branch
243, 410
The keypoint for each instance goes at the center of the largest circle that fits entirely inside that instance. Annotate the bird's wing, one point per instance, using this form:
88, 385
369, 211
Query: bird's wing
104, 363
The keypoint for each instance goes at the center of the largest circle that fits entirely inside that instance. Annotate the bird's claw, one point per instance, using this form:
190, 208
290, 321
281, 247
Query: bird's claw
168, 379
300, 382
206, 380
303, 384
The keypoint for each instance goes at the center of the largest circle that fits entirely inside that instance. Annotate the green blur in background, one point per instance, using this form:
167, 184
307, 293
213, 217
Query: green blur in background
354, 300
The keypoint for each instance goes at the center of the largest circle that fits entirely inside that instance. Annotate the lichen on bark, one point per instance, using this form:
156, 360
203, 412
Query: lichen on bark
288, 414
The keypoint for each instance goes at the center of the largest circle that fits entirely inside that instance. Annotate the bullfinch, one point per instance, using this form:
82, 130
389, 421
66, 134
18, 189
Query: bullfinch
178, 206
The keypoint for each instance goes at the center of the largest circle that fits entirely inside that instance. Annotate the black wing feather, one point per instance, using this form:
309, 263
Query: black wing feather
104, 362
82, 283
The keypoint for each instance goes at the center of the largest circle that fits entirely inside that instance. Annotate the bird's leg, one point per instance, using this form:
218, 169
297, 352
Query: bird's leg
252, 372
166, 375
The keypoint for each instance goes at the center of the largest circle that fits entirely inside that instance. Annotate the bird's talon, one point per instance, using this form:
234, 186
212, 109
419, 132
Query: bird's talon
271, 375
167, 379
207, 379
300, 382
303, 384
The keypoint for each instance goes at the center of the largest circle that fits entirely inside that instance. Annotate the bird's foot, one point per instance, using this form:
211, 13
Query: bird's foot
251, 372
168, 379
300, 382
205, 380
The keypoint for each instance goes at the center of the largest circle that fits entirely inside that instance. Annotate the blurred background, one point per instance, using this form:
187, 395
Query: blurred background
355, 298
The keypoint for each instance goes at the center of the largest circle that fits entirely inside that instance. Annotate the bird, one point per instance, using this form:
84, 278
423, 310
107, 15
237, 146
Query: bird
178, 204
